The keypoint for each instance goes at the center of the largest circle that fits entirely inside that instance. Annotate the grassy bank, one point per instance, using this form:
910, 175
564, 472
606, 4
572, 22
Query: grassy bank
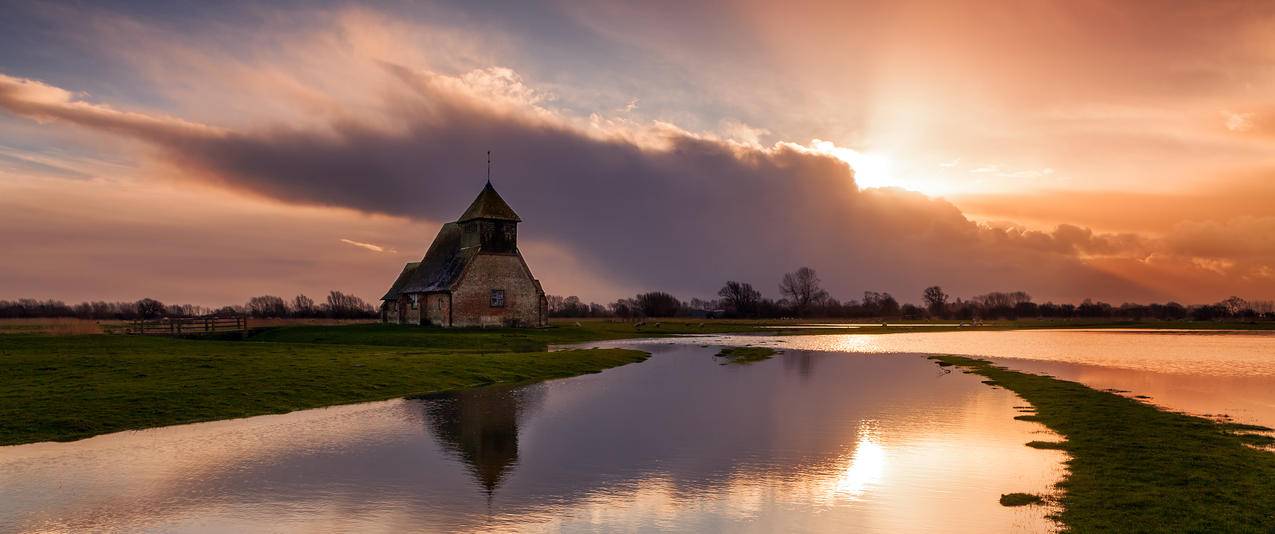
71, 387
64, 387
745, 355
1137, 468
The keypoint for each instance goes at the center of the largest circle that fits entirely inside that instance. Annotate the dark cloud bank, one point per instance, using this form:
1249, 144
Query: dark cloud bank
683, 217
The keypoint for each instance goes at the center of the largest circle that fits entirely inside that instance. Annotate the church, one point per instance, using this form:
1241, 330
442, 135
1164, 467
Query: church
472, 275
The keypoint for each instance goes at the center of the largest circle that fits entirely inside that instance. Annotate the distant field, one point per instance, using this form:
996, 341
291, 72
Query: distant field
595, 329
60, 326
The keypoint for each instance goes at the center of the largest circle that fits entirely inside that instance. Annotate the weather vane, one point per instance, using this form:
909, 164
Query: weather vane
488, 167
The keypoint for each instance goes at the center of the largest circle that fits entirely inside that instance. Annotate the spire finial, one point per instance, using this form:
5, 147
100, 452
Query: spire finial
488, 167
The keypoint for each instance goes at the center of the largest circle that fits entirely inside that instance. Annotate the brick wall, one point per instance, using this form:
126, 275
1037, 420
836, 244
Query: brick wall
437, 308
389, 311
413, 316
471, 300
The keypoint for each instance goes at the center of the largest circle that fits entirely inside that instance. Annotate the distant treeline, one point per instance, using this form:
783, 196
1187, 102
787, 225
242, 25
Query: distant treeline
803, 296
338, 305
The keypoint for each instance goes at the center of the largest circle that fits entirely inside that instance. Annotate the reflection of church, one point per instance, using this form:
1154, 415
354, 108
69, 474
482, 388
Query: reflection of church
480, 426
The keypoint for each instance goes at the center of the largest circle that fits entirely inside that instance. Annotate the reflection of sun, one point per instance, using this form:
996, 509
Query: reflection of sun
867, 466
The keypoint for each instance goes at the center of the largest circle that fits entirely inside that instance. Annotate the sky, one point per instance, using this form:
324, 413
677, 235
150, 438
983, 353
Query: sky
205, 153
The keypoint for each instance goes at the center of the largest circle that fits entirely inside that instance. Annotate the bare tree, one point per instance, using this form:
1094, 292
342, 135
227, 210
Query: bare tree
267, 306
658, 304
740, 297
150, 308
303, 306
802, 288
342, 306
554, 303
626, 309
935, 300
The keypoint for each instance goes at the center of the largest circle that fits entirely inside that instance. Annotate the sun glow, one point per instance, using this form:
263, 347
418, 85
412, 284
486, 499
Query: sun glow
878, 169
866, 468
871, 168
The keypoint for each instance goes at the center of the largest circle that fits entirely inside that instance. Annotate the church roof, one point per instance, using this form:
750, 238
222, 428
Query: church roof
442, 265
402, 279
489, 205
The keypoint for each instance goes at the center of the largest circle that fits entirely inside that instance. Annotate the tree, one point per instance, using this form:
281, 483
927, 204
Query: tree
302, 306
935, 301
879, 304
1234, 305
149, 308
658, 304
802, 288
344, 306
740, 297
625, 309
267, 306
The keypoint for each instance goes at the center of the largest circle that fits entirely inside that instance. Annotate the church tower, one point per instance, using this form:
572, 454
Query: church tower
490, 224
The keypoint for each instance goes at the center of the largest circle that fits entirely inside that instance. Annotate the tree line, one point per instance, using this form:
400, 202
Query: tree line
337, 305
802, 295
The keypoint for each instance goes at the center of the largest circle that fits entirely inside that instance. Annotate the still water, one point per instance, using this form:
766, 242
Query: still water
809, 441
1199, 372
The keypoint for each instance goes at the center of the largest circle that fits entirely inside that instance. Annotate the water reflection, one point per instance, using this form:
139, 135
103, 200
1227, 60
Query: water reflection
676, 443
802, 362
481, 427
1200, 372
867, 465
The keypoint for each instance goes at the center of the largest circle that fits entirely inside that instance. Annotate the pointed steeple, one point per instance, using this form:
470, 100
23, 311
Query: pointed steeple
489, 205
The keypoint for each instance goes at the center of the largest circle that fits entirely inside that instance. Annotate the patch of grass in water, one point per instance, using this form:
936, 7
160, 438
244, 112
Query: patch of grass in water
1137, 468
1020, 499
745, 355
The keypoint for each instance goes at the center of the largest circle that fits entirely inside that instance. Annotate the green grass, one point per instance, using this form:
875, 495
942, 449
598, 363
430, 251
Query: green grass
745, 355
1137, 468
1020, 499
65, 387
70, 387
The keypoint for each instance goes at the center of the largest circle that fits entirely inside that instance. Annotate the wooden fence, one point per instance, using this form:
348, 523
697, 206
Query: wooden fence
188, 326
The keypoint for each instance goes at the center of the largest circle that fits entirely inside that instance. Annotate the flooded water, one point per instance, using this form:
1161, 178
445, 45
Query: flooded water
1200, 372
809, 441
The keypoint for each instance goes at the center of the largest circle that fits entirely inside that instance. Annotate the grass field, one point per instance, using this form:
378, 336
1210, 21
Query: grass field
1137, 468
70, 387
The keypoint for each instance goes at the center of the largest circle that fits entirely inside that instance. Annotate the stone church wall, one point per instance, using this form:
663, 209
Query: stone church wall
437, 309
471, 299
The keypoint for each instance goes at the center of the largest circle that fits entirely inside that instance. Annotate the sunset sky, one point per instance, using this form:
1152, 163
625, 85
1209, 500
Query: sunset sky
207, 152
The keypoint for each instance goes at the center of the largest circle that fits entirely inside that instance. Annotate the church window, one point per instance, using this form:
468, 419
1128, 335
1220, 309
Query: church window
498, 298
415, 300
